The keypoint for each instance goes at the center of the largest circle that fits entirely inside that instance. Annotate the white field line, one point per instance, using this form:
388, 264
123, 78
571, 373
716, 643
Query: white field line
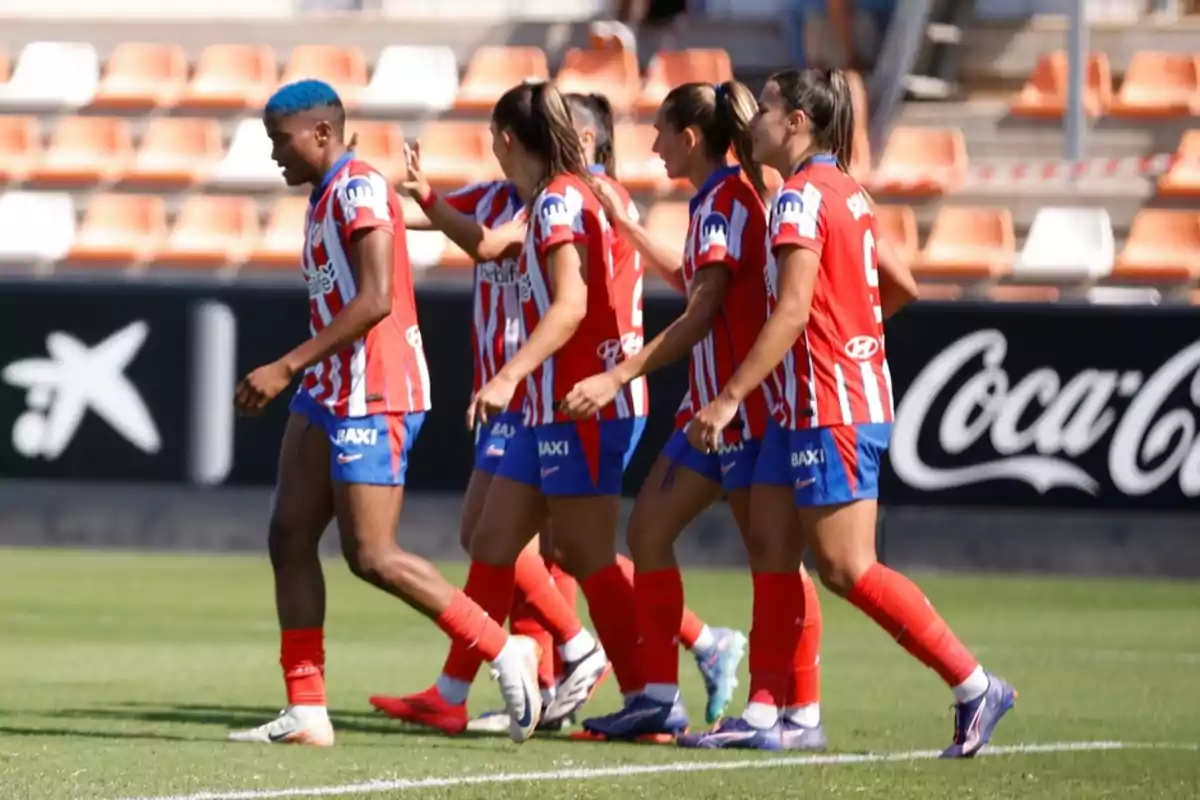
413, 784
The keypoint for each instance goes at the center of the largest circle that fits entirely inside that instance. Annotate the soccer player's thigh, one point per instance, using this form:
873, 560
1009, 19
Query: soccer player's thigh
472, 509
737, 467
302, 506
773, 539
491, 443
513, 508
837, 491
681, 484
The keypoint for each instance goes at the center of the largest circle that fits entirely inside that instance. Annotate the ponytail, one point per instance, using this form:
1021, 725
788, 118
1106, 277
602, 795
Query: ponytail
595, 111
824, 97
537, 116
736, 107
841, 134
722, 114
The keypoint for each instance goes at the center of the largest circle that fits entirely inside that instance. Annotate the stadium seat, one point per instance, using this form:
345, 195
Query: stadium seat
232, 77
86, 150
143, 76
283, 239
638, 168
413, 78
343, 68
939, 292
454, 154
120, 228
921, 162
52, 75
35, 226
1163, 247
1067, 244
1183, 178
898, 225
247, 163
1159, 85
669, 221
177, 150
1015, 293
1123, 296
671, 68
611, 73
494, 70
212, 231
969, 242
380, 144
425, 248
20, 146
1045, 93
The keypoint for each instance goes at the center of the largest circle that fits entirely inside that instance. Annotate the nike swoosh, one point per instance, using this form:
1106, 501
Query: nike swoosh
275, 737
802, 484
346, 459
527, 715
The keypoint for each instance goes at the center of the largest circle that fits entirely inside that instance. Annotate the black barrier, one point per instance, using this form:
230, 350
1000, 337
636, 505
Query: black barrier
1091, 407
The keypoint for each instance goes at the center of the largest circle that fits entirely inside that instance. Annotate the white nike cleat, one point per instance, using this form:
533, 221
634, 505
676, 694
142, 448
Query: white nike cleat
293, 726
516, 670
579, 681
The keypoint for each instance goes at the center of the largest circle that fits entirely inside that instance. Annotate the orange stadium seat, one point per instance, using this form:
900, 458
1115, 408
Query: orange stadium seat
970, 242
143, 76
283, 239
343, 68
1183, 178
86, 150
1163, 247
638, 168
1017, 293
212, 231
120, 228
1045, 93
380, 144
231, 77
454, 153
921, 162
669, 221
898, 225
939, 291
494, 70
20, 146
176, 150
1159, 85
613, 73
671, 68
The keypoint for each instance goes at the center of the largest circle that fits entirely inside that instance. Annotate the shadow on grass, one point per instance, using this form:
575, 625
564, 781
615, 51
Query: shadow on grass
86, 734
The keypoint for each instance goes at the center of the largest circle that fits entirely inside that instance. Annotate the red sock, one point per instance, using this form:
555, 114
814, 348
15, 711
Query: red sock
568, 587
488, 598
524, 622
659, 596
690, 628
302, 656
899, 607
610, 598
774, 635
534, 581
806, 666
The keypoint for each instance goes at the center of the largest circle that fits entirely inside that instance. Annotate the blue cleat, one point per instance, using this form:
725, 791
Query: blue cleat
735, 732
798, 737
718, 666
975, 721
640, 719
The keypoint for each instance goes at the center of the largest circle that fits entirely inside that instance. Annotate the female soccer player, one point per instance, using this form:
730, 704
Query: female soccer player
722, 274
363, 396
818, 471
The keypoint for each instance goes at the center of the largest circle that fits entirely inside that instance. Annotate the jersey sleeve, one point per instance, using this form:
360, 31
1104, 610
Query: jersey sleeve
798, 219
722, 231
364, 202
466, 200
560, 216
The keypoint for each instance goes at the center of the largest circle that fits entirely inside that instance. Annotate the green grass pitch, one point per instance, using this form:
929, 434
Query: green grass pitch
120, 675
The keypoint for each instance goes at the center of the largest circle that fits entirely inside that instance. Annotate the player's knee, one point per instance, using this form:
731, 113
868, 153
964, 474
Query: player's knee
464, 537
840, 572
765, 548
288, 541
491, 545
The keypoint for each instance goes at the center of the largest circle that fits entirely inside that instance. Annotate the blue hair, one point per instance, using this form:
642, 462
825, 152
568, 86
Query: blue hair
301, 96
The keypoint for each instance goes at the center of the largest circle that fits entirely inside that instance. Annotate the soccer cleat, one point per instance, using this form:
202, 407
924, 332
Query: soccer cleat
718, 666
794, 736
498, 722
974, 721
427, 708
735, 732
517, 675
290, 728
641, 717
580, 679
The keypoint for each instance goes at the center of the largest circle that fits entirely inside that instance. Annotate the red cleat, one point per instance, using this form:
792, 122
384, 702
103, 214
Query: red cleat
585, 735
426, 708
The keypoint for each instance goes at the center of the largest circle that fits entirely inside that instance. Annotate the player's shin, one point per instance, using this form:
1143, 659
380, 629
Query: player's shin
490, 590
659, 597
547, 603
778, 617
803, 704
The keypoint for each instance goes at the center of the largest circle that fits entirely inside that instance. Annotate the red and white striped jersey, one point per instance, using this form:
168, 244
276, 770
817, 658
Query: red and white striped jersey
836, 372
496, 307
566, 212
384, 371
728, 229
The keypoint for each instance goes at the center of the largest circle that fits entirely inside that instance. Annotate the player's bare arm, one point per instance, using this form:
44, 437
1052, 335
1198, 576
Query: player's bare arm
568, 287
897, 286
371, 259
588, 396
664, 258
798, 269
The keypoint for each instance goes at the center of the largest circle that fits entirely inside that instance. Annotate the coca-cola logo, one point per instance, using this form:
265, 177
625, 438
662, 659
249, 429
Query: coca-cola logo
1042, 423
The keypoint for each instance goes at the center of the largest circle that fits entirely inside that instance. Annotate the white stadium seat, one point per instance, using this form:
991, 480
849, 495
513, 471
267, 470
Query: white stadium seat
425, 248
248, 162
168, 9
52, 75
413, 78
1067, 244
36, 226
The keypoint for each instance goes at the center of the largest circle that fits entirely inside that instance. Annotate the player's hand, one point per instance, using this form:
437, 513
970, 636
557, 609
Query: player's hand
587, 397
490, 401
614, 206
704, 431
414, 184
261, 387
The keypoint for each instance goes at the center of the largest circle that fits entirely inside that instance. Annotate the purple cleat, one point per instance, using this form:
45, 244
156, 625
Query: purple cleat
735, 732
641, 717
975, 721
794, 736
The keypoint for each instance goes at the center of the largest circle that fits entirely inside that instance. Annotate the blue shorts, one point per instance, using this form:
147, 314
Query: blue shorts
824, 466
732, 465
572, 458
491, 440
372, 449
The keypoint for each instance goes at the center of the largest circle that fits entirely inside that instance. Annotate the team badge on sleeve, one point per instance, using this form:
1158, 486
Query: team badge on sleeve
714, 232
367, 192
798, 210
559, 211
